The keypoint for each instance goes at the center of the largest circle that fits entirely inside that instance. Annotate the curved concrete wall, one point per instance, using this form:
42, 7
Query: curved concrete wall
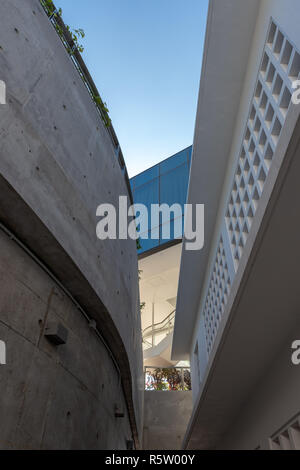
52, 397
57, 164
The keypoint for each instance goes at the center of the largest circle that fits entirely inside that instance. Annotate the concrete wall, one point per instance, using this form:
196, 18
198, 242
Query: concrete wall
166, 415
57, 164
52, 397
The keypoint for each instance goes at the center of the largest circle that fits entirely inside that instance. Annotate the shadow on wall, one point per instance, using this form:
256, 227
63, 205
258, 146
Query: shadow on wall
166, 416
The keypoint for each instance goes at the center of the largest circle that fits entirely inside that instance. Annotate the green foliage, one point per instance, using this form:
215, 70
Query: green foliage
169, 379
187, 380
104, 110
158, 382
50, 8
76, 35
59, 31
138, 244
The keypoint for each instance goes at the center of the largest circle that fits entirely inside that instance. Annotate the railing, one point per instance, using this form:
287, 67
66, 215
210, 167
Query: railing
165, 326
147, 344
167, 379
78, 62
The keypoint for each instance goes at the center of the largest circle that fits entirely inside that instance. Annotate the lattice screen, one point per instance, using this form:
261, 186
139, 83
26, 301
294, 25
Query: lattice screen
288, 439
217, 295
280, 66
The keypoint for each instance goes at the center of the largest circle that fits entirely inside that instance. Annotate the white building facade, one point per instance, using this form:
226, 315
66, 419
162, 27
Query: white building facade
238, 301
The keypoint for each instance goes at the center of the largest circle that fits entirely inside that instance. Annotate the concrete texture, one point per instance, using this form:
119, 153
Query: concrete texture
166, 415
52, 397
57, 164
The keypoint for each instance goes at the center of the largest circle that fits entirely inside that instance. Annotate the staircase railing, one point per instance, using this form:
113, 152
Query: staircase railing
165, 326
167, 322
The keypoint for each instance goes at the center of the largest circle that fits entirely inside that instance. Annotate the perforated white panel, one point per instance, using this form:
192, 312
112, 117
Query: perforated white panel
288, 438
280, 66
217, 295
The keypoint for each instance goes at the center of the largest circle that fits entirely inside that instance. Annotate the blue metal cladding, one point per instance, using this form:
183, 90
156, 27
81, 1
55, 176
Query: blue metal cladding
164, 183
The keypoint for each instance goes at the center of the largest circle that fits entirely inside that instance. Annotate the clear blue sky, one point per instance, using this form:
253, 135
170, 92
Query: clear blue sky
145, 57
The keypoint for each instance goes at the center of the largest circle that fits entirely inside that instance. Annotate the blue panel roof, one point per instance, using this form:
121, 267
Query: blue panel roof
166, 182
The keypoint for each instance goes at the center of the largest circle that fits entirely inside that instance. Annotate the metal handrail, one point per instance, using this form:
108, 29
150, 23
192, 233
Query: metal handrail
67, 40
153, 328
147, 344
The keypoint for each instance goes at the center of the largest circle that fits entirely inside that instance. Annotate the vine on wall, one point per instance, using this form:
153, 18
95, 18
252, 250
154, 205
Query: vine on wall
76, 35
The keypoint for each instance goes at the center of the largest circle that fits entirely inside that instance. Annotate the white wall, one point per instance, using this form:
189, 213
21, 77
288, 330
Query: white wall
286, 14
270, 406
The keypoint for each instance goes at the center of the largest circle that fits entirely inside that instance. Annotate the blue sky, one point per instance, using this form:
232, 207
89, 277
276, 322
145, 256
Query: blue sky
145, 58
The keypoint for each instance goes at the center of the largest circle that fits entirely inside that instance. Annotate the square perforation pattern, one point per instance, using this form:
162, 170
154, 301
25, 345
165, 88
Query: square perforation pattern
217, 295
280, 66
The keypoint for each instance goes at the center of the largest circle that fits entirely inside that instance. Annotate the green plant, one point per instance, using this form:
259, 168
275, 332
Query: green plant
169, 379
187, 380
138, 244
158, 381
50, 8
173, 377
103, 108
76, 36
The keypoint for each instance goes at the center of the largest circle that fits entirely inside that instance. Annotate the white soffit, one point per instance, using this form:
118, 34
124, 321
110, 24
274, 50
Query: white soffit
230, 28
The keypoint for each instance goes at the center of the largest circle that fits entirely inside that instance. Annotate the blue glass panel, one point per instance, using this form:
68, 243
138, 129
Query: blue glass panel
145, 177
132, 182
172, 162
176, 231
148, 244
169, 188
147, 194
173, 186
